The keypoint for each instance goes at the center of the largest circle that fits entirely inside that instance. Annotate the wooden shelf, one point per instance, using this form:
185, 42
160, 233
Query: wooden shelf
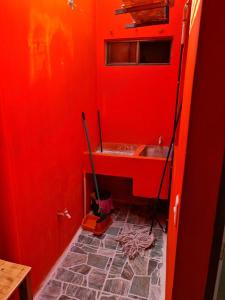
147, 14
137, 8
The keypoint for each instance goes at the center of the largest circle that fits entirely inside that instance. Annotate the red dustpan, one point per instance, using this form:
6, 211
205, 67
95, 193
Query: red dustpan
90, 223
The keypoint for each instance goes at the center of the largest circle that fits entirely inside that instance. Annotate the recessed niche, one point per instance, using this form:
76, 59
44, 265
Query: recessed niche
137, 52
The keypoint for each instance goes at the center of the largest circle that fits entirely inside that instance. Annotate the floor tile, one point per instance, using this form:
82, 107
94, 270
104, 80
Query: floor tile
152, 265
117, 286
128, 272
73, 259
140, 286
77, 249
155, 293
52, 290
82, 269
68, 276
117, 264
139, 265
89, 249
81, 293
106, 252
113, 231
109, 297
95, 267
64, 297
89, 240
110, 243
97, 261
96, 279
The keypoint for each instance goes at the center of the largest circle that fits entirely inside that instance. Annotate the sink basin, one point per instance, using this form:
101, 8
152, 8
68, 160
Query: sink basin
118, 149
155, 151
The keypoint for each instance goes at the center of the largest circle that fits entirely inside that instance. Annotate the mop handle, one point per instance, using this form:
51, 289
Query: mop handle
91, 156
169, 151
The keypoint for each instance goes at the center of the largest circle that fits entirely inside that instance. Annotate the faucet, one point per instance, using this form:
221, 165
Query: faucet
64, 213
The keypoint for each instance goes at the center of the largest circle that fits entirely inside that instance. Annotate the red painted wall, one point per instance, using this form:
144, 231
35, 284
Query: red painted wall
48, 72
201, 160
181, 144
137, 102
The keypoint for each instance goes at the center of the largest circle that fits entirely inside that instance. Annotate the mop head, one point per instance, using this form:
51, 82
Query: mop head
135, 242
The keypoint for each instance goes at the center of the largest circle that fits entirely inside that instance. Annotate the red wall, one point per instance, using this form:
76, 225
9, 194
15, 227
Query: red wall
48, 72
137, 102
201, 161
181, 144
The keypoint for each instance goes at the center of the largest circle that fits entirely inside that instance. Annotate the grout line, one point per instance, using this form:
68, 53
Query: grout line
150, 286
66, 289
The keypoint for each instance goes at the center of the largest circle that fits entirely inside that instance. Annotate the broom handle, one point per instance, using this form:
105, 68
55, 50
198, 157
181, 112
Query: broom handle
91, 156
100, 130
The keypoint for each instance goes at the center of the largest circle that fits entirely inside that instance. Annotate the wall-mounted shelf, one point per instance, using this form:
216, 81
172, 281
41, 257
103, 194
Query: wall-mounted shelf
137, 8
146, 12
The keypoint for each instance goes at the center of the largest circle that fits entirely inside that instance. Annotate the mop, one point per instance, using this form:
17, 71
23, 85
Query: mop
135, 242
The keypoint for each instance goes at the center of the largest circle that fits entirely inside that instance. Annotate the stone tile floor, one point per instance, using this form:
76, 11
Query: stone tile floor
95, 268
